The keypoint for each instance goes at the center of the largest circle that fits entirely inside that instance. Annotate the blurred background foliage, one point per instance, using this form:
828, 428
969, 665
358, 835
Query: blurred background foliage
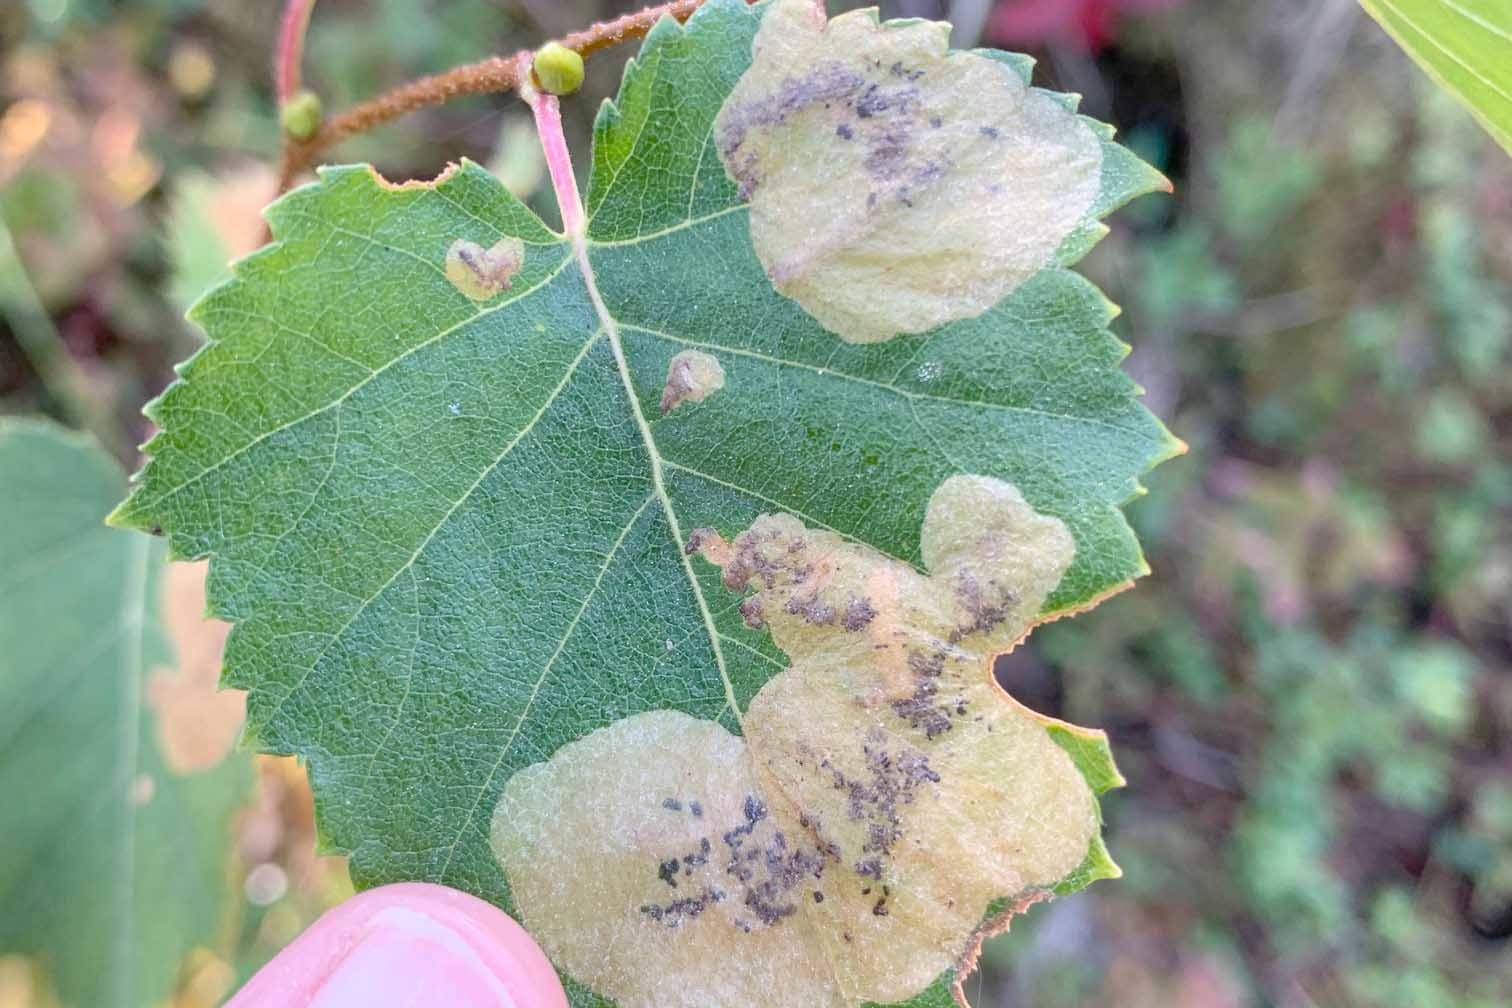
1311, 695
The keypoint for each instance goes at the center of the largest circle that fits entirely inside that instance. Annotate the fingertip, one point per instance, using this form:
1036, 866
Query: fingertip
408, 943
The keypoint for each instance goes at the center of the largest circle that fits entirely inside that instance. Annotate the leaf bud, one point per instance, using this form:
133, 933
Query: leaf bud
558, 70
301, 115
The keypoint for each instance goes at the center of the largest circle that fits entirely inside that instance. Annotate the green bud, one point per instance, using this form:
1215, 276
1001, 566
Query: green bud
558, 70
300, 115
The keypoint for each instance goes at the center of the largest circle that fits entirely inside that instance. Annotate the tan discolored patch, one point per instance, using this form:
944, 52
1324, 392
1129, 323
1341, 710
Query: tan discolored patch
197, 722
481, 273
236, 203
23, 983
895, 185
886, 792
692, 376
889, 736
647, 866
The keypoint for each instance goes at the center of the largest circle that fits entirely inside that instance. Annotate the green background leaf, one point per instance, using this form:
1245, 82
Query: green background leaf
112, 867
1465, 46
449, 536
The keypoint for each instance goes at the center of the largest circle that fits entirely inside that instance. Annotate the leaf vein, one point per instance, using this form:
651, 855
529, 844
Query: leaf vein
886, 387
1450, 53
808, 518
399, 358
440, 524
535, 691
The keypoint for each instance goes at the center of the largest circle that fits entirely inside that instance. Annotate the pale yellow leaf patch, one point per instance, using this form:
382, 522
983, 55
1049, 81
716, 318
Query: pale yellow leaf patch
886, 792
618, 852
23, 985
481, 273
895, 185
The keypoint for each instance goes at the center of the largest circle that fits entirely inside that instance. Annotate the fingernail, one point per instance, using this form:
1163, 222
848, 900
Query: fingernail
408, 944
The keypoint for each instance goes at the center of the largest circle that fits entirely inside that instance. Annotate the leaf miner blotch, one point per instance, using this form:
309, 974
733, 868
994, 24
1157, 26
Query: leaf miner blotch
895, 184
885, 794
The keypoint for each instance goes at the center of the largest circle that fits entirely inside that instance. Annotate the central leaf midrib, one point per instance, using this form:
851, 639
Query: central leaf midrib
653, 454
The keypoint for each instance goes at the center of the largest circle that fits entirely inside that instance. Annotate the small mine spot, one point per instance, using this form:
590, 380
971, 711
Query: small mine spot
750, 611
481, 273
697, 538
143, 787
692, 376
858, 613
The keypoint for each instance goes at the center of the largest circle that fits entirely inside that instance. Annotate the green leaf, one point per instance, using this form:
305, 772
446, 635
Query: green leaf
113, 865
1465, 46
426, 451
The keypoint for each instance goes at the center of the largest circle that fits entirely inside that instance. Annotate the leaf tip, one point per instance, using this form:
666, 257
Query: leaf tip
121, 515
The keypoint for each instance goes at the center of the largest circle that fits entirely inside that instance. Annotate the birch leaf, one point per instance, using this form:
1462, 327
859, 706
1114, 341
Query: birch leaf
475, 516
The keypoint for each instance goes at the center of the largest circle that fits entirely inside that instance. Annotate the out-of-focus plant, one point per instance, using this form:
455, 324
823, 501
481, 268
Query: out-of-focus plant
1464, 45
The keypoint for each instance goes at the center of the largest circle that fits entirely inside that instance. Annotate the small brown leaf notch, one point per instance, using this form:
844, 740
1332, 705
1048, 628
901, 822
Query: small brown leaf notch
885, 793
482, 273
692, 376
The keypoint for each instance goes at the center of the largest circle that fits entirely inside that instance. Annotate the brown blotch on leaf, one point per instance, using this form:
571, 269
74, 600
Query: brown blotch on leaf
482, 273
659, 910
692, 376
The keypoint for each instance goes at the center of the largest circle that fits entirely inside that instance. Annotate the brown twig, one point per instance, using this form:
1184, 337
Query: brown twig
497, 73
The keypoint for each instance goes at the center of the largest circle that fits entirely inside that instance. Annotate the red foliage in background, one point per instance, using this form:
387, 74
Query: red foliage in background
1086, 24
